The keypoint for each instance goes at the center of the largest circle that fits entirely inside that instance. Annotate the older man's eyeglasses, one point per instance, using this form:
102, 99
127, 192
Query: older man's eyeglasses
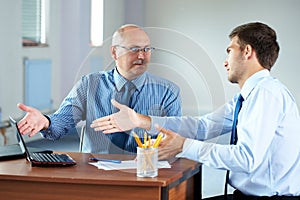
137, 49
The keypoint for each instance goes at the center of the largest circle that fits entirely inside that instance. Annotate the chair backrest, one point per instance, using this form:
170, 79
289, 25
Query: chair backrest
82, 132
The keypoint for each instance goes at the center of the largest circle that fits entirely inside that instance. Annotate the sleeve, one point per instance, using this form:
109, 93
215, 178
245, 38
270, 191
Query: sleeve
170, 99
255, 130
173, 102
70, 112
199, 128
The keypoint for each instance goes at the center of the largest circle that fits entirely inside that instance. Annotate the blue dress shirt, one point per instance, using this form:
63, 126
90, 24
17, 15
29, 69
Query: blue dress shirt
91, 98
266, 159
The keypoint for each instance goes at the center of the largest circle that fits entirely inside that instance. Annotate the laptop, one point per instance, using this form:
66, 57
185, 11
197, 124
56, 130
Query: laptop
42, 159
11, 151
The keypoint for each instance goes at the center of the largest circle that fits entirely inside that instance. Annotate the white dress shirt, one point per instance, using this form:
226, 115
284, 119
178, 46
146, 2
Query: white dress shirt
266, 159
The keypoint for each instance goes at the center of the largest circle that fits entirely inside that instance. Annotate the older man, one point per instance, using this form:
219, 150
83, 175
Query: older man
129, 82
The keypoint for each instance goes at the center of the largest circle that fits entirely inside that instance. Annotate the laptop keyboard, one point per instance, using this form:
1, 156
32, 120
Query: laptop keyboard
46, 157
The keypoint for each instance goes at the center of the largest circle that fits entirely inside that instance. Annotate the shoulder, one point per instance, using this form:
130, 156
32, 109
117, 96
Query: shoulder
271, 84
274, 88
98, 76
151, 78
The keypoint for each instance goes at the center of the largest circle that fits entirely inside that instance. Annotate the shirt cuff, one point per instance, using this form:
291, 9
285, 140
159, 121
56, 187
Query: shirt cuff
47, 131
190, 149
48, 120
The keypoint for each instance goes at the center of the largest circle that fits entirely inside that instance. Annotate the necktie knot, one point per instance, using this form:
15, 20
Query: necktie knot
128, 86
240, 99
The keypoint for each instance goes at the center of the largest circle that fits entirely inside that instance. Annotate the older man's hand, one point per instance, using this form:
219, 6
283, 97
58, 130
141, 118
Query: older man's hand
33, 121
124, 120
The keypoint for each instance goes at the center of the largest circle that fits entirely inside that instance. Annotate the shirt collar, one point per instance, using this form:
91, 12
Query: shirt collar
120, 80
252, 81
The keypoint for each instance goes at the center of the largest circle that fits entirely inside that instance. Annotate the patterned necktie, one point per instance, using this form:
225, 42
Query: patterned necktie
128, 90
234, 136
118, 140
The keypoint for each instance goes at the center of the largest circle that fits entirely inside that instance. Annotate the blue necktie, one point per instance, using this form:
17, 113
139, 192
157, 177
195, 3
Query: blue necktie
234, 136
238, 107
119, 139
128, 89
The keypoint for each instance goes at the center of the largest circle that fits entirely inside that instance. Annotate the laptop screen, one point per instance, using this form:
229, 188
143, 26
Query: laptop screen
20, 137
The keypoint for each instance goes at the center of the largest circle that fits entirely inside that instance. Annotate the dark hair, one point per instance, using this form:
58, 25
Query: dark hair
262, 39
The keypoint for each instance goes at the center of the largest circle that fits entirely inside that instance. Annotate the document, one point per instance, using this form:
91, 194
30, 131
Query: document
126, 164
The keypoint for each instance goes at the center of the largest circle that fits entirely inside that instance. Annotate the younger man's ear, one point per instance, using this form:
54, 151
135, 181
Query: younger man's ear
248, 51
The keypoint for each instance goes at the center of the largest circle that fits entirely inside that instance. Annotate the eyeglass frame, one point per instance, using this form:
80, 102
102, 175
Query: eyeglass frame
137, 49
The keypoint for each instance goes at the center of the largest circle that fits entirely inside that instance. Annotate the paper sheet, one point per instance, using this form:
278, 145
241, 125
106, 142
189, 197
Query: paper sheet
127, 164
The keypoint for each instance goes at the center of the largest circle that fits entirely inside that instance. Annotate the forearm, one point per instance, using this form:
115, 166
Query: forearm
59, 126
144, 122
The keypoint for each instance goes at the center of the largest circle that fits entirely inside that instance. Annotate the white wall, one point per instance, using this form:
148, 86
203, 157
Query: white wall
11, 88
193, 35
12, 54
208, 24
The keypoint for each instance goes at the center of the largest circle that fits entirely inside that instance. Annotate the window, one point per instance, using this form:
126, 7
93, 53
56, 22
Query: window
34, 22
96, 22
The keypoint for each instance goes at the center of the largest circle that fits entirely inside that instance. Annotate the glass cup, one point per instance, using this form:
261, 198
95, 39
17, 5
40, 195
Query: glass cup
147, 159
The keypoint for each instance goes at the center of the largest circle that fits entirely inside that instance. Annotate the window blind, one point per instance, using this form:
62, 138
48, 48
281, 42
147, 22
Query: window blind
32, 20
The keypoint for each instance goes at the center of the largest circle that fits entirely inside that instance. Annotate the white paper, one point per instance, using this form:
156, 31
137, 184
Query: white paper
126, 164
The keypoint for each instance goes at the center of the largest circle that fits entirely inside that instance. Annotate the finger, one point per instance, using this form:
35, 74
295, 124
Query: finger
100, 125
158, 127
101, 119
26, 130
104, 127
21, 123
24, 107
162, 155
107, 129
161, 129
33, 132
165, 142
167, 133
113, 130
23, 127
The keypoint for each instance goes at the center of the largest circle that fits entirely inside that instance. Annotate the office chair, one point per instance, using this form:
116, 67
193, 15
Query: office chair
82, 132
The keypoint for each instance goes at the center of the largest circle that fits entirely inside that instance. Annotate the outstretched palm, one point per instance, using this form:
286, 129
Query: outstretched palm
123, 120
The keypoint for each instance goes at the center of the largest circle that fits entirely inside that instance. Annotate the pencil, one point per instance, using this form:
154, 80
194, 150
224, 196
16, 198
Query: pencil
137, 139
145, 140
157, 141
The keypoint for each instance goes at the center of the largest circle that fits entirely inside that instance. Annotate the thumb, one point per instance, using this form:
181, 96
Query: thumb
24, 107
116, 104
161, 129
